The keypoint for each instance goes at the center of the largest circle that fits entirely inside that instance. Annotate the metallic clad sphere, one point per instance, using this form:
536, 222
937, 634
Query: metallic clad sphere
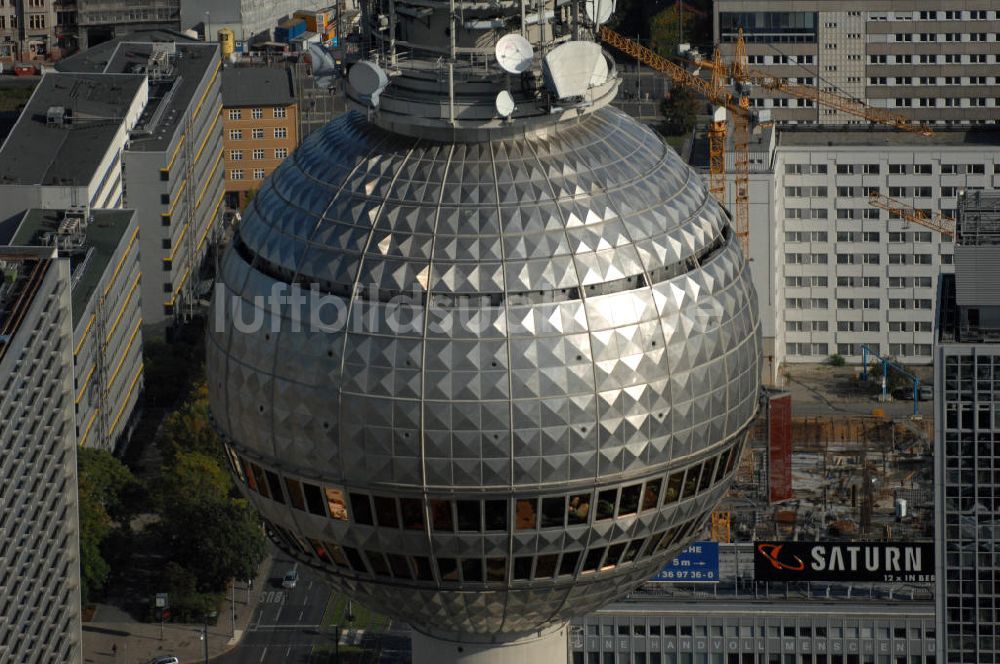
486, 387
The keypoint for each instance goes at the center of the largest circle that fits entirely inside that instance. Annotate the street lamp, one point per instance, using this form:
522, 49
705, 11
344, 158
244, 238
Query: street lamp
204, 632
208, 25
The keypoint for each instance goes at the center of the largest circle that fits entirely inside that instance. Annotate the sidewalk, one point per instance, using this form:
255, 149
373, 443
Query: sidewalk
137, 643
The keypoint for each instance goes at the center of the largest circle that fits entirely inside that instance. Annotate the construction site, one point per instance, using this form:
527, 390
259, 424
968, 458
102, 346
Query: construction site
832, 478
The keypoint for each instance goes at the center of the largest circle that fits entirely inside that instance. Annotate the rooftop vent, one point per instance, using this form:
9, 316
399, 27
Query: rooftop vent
58, 116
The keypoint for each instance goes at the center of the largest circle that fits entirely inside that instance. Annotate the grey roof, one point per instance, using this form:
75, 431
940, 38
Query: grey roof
257, 86
40, 154
878, 136
96, 58
105, 233
132, 54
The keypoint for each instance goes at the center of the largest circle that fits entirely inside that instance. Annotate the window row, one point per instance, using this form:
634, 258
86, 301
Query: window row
499, 569
237, 174
489, 515
237, 134
237, 155
257, 113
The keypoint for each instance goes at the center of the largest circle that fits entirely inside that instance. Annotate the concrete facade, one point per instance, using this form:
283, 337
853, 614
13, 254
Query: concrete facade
967, 428
832, 271
100, 20
926, 60
173, 167
103, 249
39, 525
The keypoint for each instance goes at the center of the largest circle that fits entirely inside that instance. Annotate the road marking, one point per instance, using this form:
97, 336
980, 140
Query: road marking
263, 654
277, 616
310, 586
288, 653
301, 613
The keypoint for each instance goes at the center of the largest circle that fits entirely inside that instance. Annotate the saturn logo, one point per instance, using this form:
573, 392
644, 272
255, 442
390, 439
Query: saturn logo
772, 552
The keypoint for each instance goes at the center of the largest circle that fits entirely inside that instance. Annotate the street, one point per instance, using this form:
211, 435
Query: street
287, 623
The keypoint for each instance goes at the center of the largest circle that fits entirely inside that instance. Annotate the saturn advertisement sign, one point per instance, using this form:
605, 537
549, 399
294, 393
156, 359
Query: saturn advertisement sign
845, 562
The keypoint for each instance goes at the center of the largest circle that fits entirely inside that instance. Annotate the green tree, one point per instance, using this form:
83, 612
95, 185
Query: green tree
665, 31
195, 475
190, 429
216, 540
680, 111
109, 496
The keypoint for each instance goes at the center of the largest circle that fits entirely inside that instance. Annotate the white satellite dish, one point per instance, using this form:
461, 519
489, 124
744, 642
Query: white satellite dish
601, 72
599, 11
369, 80
514, 54
570, 68
505, 104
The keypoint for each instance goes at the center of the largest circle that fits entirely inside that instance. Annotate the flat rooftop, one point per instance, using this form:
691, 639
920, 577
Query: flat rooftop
22, 270
880, 136
102, 237
41, 153
257, 86
171, 90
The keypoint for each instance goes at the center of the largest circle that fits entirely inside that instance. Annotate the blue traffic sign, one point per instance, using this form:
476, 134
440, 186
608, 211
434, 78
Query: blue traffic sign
699, 563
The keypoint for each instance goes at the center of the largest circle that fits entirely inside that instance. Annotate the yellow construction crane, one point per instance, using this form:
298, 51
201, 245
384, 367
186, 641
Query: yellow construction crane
715, 92
899, 210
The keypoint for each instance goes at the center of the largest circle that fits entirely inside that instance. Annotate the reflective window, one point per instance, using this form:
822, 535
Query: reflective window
546, 566
615, 552
448, 569
553, 512
362, 509
606, 504
441, 516
320, 550
314, 499
720, 471
651, 497
691, 482
337, 554
336, 504
261, 480
630, 500
593, 559
496, 569
378, 563
522, 567
707, 474
355, 559
527, 514
248, 470
579, 508
568, 563
472, 570
385, 510
674, 485
422, 565
400, 569
295, 494
632, 552
412, 510
468, 515
496, 515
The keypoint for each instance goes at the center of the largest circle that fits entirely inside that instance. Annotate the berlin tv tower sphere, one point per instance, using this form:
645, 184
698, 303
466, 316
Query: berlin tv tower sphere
486, 368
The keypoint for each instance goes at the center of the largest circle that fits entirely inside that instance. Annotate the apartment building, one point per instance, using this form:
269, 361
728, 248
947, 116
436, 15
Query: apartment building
260, 126
36, 29
102, 248
172, 168
39, 525
67, 147
967, 428
834, 272
102, 20
930, 61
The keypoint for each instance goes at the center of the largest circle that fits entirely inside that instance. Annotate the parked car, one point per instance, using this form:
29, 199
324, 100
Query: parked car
291, 578
166, 659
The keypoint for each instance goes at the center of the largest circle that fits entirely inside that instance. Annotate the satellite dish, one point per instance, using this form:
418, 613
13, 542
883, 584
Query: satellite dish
599, 11
514, 54
601, 72
368, 79
570, 68
505, 104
